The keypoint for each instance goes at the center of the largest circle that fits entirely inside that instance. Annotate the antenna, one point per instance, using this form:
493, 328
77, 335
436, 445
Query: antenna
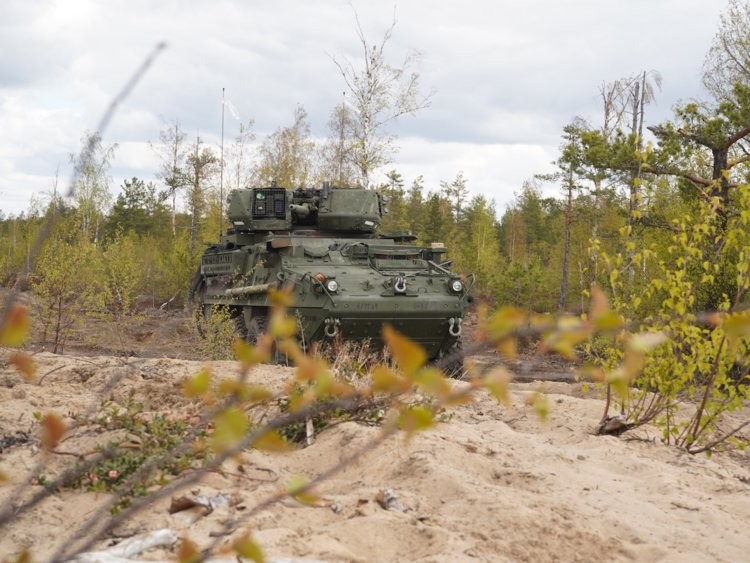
221, 170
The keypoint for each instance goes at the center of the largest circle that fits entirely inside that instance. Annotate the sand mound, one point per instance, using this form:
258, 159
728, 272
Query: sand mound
490, 482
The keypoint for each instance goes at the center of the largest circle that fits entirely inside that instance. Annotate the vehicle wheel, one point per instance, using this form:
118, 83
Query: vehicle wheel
202, 312
255, 330
240, 328
452, 360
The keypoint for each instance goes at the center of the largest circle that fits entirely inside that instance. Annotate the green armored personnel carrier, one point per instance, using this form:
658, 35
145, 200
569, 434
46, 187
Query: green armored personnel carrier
347, 281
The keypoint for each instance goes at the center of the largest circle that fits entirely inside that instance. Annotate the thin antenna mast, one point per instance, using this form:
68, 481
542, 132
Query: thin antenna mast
221, 171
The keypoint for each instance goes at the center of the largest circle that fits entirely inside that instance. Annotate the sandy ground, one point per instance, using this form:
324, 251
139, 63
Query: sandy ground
490, 483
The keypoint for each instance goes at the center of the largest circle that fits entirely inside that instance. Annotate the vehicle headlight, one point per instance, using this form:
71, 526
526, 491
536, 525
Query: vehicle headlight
332, 286
457, 286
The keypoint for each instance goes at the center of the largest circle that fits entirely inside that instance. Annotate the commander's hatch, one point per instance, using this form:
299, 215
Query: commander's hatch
390, 258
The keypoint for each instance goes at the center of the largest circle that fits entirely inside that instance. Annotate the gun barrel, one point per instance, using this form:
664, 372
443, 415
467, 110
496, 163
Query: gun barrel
247, 290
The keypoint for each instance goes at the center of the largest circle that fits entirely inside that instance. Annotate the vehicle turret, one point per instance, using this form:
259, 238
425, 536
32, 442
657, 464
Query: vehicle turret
347, 280
328, 209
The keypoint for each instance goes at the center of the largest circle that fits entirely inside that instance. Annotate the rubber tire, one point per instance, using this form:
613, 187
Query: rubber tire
240, 328
257, 327
452, 360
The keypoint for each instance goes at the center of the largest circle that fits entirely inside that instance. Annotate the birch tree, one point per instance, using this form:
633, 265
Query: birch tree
202, 164
286, 156
728, 60
378, 93
92, 181
238, 160
172, 152
336, 155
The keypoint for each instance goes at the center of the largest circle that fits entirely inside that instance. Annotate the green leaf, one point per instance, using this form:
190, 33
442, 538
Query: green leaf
409, 355
246, 393
599, 303
508, 347
282, 326
619, 381
385, 380
281, 298
271, 441
246, 547
497, 383
570, 332
737, 325
297, 489
248, 355
609, 322
16, 328
298, 401
198, 385
433, 382
417, 418
646, 341
230, 426
310, 369
541, 405
256, 394
506, 320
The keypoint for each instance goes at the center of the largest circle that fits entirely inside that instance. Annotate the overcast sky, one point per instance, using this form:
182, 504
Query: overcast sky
507, 76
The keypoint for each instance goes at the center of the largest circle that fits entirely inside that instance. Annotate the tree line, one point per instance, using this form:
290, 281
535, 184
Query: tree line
624, 186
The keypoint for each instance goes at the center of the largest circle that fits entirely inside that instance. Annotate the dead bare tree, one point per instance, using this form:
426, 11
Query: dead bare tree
380, 93
728, 60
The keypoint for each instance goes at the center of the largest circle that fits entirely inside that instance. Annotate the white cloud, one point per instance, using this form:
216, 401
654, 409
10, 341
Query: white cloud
496, 171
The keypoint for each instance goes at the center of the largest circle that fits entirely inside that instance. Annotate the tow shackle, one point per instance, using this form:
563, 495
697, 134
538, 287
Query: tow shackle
454, 326
331, 329
399, 286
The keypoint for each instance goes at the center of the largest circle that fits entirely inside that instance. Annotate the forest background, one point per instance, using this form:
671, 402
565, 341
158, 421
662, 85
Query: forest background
625, 187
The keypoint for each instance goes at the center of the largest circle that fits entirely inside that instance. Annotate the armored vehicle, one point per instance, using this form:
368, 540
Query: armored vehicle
347, 281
